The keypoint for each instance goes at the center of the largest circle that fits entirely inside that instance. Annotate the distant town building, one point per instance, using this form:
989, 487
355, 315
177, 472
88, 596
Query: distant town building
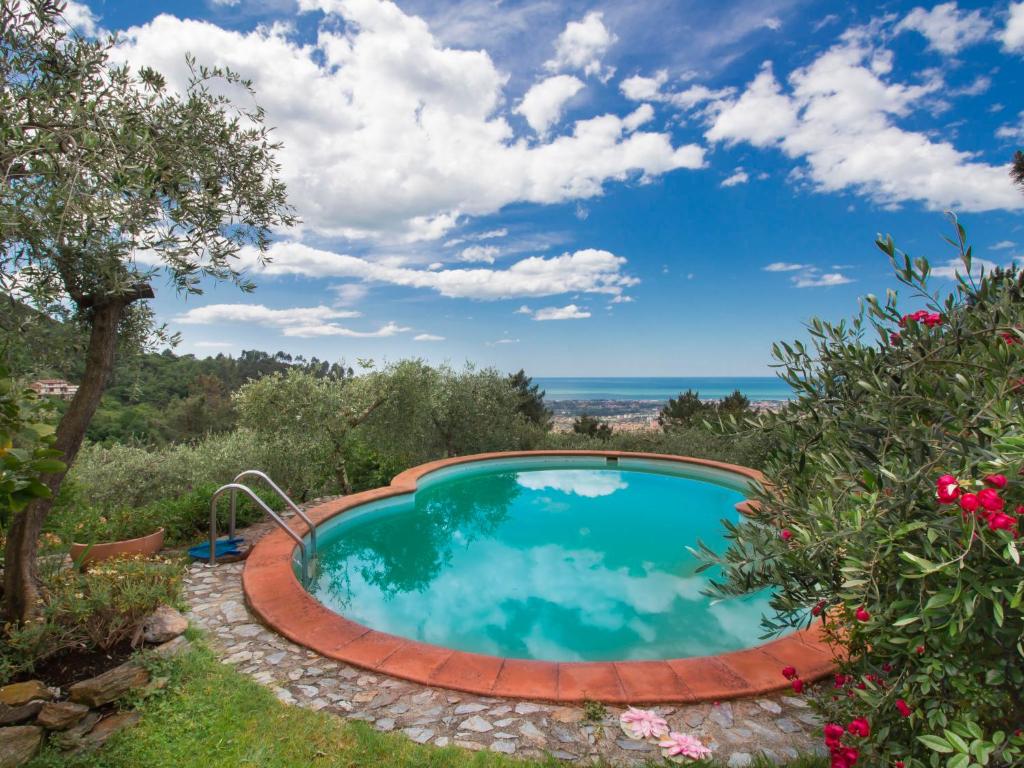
65, 390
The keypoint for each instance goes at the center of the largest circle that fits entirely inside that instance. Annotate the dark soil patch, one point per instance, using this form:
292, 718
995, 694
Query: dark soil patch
68, 667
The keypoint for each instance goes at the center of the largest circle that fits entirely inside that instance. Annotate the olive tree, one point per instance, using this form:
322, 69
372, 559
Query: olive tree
110, 178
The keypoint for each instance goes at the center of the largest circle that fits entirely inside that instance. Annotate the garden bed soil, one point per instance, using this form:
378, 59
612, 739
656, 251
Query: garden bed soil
67, 667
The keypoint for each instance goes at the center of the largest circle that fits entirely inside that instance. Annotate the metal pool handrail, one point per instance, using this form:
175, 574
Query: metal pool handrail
284, 497
233, 487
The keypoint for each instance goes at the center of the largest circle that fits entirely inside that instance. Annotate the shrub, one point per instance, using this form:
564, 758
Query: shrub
892, 513
185, 518
99, 609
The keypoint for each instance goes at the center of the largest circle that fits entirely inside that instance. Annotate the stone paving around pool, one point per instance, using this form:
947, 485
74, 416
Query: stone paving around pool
779, 726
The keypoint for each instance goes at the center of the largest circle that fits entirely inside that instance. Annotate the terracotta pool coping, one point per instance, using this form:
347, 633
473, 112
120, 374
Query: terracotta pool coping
275, 595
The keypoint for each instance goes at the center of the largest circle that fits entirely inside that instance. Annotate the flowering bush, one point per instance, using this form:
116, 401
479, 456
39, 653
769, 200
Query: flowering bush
893, 514
100, 608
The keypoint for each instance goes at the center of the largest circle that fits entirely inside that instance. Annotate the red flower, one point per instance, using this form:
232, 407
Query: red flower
948, 489
996, 481
817, 609
834, 731
859, 726
887, 667
919, 650
798, 685
898, 764
862, 614
989, 498
894, 339
1010, 338
786, 534
902, 706
1002, 522
969, 502
932, 319
841, 680
789, 672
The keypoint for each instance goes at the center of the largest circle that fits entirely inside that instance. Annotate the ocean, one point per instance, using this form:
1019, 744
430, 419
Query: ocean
660, 388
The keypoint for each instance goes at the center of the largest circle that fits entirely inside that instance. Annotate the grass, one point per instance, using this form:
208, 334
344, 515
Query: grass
211, 716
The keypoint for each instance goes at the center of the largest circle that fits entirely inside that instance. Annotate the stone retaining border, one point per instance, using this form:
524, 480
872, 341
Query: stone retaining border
275, 595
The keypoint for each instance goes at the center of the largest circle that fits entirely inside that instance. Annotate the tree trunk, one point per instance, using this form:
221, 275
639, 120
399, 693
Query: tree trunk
21, 577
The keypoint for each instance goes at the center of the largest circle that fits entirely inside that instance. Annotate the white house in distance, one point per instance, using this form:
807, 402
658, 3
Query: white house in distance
65, 390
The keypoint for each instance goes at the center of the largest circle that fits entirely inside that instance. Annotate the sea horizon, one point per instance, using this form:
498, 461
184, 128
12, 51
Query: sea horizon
660, 388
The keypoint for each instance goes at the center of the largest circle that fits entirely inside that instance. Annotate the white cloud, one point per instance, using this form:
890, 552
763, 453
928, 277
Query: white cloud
295, 321
574, 482
543, 103
621, 299
388, 133
641, 88
1013, 131
502, 341
81, 18
427, 337
1012, 35
812, 279
838, 117
955, 267
585, 271
581, 46
738, 177
524, 310
568, 312
350, 293
948, 29
773, 23
479, 253
784, 266
1002, 245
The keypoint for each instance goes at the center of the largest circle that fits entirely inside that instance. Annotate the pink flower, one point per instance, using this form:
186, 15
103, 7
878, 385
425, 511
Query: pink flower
786, 534
862, 614
901, 705
989, 498
932, 319
996, 481
969, 502
642, 724
789, 672
684, 745
834, 731
948, 489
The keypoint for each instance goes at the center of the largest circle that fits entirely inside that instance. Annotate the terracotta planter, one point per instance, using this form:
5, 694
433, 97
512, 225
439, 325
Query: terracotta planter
85, 554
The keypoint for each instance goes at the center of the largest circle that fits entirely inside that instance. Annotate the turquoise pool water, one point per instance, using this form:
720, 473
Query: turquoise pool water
561, 559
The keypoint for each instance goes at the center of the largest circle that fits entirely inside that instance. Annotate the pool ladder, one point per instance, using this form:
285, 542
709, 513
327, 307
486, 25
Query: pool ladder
307, 556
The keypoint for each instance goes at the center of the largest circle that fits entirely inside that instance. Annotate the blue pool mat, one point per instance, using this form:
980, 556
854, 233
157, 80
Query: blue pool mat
222, 548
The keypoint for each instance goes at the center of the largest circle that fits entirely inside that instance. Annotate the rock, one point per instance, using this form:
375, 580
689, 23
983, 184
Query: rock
787, 726
16, 694
722, 714
442, 741
634, 746
532, 733
740, 760
107, 727
419, 735
526, 708
476, 724
769, 706
505, 747
561, 754
163, 624
110, 686
469, 709
567, 715
172, 647
60, 715
385, 724
474, 746
19, 744
15, 715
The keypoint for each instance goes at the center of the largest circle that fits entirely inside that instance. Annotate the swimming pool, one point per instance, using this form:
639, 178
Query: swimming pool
561, 575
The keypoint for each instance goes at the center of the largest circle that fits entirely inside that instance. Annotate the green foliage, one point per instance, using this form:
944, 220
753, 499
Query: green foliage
185, 518
588, 426
886, 404
531, 399
26, 453
735, 403
683, 411
96, 609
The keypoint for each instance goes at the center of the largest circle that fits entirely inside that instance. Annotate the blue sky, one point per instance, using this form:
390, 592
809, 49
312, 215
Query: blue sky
587, 188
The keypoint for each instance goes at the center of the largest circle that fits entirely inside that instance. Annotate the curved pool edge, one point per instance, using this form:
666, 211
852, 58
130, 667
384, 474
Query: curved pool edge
277, 598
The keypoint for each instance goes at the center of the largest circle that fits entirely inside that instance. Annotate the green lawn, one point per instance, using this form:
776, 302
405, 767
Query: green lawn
213, 717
